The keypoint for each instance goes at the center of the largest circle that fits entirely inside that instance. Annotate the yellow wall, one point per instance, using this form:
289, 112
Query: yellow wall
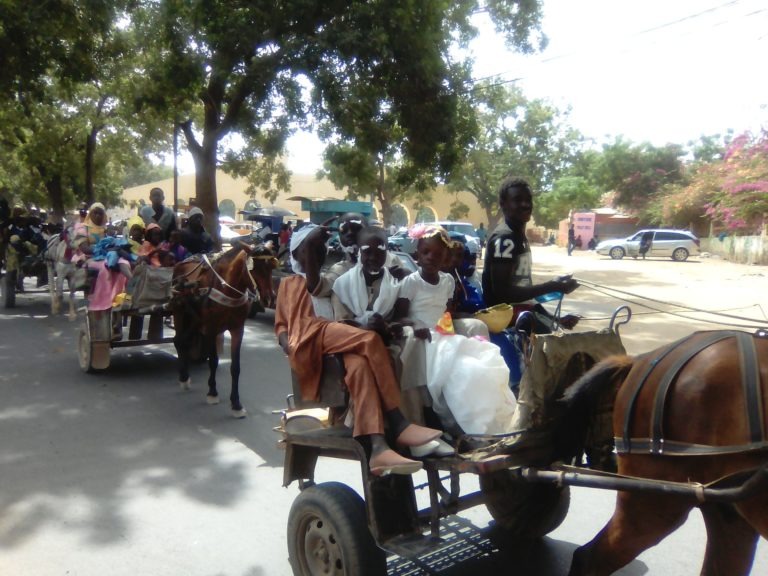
301, 185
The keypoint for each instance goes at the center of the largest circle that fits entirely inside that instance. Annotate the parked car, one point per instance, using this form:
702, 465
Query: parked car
665, 243
473, 242
400, 242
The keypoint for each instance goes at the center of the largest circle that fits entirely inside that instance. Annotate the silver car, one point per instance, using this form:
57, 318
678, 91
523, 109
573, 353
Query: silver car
664, 243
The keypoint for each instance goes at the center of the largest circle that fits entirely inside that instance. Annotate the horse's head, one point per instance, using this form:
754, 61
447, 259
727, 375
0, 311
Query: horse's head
264, 262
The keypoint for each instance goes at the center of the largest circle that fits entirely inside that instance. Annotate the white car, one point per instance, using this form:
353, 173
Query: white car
227, 234
465, 228
665, 243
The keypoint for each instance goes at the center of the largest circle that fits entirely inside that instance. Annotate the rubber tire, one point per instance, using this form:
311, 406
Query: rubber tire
617, 253
680, 255
9, 289
334, 517
522, 509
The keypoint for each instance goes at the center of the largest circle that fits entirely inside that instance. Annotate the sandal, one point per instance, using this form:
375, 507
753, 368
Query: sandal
390, 462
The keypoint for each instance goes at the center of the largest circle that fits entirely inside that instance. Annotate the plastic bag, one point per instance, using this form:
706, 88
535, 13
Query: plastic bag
469, 384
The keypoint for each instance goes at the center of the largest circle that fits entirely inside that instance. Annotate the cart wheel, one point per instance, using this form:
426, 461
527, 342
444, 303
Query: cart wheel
328, 534
93, 356
8, 289
524, 510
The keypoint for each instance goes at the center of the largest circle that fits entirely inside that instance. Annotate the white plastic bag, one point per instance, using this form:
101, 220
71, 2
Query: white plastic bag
469, 384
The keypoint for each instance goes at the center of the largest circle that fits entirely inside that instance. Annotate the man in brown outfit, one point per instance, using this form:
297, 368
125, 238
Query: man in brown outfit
373, 389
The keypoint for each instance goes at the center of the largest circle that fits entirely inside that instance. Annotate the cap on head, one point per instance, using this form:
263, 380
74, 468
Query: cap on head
195, 212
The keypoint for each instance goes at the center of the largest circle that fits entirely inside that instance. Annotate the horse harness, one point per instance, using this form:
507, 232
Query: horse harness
217, 295
750, 380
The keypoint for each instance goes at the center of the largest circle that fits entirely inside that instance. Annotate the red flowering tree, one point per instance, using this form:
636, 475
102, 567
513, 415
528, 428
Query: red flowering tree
731, 191
740, 200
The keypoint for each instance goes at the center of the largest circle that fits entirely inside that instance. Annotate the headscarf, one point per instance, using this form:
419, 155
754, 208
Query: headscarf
297, 238
134, 221
351, 289
92, 231
322, 306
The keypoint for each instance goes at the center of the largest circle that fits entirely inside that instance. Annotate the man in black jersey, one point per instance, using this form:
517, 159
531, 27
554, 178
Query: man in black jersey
507, 271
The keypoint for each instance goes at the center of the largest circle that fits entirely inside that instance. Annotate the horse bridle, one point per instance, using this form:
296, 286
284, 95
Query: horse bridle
220, 298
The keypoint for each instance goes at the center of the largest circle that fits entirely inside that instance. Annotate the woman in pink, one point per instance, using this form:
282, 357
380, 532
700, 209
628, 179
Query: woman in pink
109, 283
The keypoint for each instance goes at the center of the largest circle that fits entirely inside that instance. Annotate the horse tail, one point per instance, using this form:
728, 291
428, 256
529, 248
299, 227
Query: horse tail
579, 401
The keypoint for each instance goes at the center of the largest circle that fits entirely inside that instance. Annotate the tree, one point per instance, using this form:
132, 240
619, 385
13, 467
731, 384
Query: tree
635, 173
238, 67
567, 194
682, 203
736, 186
385, 178
58, 115
516, 136
144, 171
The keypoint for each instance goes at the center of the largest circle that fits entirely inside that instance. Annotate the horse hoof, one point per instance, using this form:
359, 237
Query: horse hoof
239, 414
185, 384
212, 400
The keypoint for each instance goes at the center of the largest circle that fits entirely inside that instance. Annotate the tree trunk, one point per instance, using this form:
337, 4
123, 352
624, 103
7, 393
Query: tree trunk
381, 194
205, 189
56, 196
493, 216
90, 152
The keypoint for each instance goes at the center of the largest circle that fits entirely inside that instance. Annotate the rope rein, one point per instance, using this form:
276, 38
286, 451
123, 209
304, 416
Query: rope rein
683, 309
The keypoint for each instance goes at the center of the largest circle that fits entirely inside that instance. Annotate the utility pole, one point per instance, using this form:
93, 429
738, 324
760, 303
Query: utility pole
175, 168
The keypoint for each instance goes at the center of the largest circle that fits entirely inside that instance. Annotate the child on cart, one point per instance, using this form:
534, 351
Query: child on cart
466, 376
305, 337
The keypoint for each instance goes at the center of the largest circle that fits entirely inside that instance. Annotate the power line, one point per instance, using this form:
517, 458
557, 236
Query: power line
634, 35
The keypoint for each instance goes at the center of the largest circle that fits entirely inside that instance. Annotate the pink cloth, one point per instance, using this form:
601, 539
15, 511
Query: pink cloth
108, 285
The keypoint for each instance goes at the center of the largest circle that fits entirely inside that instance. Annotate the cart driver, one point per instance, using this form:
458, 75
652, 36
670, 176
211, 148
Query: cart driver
507, 271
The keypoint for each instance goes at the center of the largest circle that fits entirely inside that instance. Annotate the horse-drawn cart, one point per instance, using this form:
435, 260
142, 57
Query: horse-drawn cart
146, 303
524, 477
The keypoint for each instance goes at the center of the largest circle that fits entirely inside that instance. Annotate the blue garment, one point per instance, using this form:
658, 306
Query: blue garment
508, 341
111, 250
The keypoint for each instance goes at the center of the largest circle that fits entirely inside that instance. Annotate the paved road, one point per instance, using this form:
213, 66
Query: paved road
121, 473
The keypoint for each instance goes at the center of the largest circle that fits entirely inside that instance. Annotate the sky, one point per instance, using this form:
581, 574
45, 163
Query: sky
653, 70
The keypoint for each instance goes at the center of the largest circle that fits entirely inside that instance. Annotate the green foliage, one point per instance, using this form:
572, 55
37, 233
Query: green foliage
635, 173
459, 210
516, 136
568, 193
144, 171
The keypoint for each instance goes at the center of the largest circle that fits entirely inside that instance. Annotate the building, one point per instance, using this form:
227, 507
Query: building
233, 198
603, 223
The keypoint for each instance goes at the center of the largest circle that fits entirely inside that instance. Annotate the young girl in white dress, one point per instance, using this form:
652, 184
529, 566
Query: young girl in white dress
467, 377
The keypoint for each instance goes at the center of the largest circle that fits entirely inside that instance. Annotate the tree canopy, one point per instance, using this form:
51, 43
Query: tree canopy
528, 138
243, 67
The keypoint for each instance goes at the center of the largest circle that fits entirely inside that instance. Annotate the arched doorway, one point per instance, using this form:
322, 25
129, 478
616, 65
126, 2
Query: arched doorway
399, 215
227, 208
426, 214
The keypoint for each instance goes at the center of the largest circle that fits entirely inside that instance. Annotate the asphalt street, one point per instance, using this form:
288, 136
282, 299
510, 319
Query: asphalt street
122, 473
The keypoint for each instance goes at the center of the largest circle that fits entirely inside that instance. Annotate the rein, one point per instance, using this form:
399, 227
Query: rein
220, 298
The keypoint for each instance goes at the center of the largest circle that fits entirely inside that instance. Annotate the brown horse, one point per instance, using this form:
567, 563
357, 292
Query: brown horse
694, 411
214, 296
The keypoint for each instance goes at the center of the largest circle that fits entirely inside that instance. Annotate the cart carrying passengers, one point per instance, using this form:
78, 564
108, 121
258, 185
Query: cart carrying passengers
305, 337
110, 258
